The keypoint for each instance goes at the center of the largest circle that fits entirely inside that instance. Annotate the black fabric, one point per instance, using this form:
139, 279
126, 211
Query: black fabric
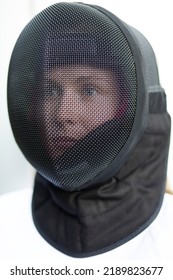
102, 217
157, 102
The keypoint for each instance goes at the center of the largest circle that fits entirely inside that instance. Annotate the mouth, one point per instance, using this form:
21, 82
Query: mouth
65, 142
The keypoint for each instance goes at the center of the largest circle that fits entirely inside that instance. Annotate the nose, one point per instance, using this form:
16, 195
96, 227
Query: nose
69, 110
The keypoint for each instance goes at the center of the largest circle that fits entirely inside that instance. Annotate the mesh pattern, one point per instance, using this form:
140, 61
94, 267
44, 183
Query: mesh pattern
72, 93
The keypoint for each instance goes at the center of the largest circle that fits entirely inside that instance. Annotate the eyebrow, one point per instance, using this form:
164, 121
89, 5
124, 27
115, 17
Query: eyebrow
79, 79
87, 78
84, 78
53, 82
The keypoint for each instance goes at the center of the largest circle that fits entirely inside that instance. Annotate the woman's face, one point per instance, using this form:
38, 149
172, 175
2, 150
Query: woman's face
77, 100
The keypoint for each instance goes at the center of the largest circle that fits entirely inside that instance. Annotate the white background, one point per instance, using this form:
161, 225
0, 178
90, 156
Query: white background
152, 17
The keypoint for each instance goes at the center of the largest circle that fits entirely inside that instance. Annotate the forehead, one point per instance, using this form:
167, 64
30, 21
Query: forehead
79, 71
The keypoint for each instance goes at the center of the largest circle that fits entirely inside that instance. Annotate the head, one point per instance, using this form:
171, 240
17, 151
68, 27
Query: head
76, 94
78, 99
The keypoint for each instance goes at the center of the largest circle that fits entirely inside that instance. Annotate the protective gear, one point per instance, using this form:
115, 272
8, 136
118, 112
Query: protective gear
88, 112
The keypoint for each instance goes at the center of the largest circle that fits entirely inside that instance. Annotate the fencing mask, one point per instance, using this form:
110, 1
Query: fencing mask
88, 112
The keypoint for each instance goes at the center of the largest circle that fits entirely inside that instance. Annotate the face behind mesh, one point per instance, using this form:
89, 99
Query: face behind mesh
71, 93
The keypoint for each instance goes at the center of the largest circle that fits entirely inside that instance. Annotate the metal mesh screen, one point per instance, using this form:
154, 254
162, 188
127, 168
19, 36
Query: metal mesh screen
72, 93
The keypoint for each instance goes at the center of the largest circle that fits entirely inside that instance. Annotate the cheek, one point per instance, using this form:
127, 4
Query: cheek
99, 111
107, 111
48, 114
49, 109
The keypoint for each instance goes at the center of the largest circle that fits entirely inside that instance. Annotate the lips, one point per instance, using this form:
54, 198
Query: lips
65, 142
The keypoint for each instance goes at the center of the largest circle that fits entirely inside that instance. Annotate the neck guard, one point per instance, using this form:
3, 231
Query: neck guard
95, 220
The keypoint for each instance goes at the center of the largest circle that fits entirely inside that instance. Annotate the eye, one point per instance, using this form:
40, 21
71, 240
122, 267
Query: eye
54, 89
90, 91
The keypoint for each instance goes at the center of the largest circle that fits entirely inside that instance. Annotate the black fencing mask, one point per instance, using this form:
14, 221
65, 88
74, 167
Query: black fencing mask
88, 112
